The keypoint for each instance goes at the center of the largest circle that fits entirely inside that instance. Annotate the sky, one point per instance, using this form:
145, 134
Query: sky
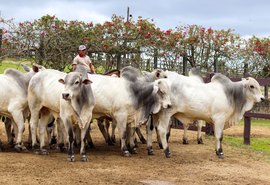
245, 17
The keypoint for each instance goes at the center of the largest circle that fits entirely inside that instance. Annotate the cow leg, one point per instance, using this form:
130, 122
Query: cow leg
89, 139
131, 137
149, 133
162, 129
199, 133
113, 131
219, 136
51, 133
8, 124
70, 144
44, 120
122, 127
19, 120
61, 135
185, 136
103, 130
33, 124
139, 133
158, 139
151, 124
84, 157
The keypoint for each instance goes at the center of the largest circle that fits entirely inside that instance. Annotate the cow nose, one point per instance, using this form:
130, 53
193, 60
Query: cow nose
262, 99
65, 96
169, 106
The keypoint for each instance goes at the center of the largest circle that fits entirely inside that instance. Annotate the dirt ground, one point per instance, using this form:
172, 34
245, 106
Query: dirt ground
189, 164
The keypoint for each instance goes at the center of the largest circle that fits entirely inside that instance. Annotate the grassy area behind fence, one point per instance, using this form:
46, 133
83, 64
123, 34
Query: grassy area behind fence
257, 144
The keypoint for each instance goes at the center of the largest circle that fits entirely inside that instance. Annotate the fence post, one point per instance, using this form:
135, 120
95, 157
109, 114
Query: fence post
118, 61
155, 58
1, 38
247, 125
266, 88
185, 65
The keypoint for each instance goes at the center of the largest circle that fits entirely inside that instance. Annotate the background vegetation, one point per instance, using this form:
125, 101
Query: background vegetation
116, 43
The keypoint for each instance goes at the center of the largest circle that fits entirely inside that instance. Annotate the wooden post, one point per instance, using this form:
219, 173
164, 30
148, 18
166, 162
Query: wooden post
155, 58
266, 88
245, 70
118, 62
247, 125
185, 65
215, 64
1, 37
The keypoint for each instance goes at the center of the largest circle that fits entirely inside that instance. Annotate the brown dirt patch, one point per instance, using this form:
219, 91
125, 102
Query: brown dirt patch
189, 164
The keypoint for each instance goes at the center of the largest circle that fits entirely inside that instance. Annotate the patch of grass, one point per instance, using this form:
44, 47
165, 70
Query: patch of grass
258, 122
261, 145
4, 66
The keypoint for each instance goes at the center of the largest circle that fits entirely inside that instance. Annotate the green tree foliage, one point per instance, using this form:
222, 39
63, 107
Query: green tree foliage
115, 43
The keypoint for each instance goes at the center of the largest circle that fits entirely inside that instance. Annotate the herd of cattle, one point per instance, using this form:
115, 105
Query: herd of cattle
135, 98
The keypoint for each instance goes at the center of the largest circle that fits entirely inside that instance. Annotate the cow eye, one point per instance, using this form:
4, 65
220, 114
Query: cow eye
165, 76
77, 82
252, 87
161, 92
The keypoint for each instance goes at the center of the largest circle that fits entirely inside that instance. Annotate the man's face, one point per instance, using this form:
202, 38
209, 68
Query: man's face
81, 53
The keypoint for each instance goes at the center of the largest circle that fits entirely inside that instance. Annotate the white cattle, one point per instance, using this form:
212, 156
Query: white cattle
221, 102
104, 122
13, 98
194, 75
128, 100
76, 107
44, 93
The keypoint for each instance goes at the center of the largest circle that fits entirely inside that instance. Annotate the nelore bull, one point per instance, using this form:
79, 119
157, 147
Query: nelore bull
13, 98
128, 100
76, 107
46, 95
220, 102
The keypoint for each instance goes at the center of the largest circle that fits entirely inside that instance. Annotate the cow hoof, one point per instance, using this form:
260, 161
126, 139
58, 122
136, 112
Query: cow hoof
20, 148
150, 151
53, 141
126, 153
11, 143
133, 151
185, 142
160, 145
167, 153
44, 152
200, 141
84, 158
71, 158
220, 154
113, 139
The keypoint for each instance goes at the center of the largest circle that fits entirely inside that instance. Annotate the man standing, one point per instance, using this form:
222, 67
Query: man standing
83, 60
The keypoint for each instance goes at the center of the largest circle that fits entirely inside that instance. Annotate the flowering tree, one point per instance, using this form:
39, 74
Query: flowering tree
53, 43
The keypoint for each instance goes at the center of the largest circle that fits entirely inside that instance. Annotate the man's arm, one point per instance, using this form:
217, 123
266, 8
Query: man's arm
92, 68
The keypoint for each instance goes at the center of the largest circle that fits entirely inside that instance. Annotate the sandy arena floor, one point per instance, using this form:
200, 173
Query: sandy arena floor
189, 164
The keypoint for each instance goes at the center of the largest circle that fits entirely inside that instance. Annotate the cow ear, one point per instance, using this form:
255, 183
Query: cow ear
158, 73
35, 68
62, 81
155, 90
87, 81
25, 67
